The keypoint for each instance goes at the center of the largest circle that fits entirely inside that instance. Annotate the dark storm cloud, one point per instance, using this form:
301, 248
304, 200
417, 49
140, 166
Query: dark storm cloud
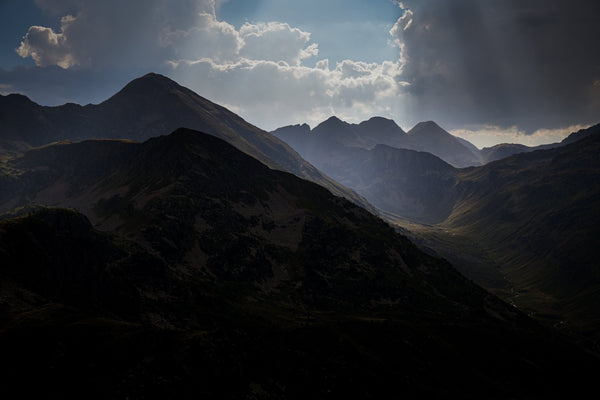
531, 63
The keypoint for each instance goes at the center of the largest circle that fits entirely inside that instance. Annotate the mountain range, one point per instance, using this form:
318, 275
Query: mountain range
143, 260
194, 268
429, 137
334, 133
150, 106
524, 226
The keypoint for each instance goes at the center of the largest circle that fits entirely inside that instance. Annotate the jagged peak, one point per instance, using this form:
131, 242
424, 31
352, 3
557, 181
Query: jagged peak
301, 128
380, 123
425, 125
331, 122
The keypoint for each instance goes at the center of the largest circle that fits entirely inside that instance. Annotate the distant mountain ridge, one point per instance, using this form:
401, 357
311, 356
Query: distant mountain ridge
425, 136
334, 133
504, 150
146, 107
378, 160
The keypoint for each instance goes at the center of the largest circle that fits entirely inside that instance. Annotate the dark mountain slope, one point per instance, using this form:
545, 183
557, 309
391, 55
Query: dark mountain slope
581, 134
150, 106
220, 277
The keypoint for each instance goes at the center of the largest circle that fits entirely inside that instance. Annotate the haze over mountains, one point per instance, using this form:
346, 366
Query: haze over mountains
187, 263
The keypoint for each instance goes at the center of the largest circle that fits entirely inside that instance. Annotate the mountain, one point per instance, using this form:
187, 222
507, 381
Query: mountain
315, 145
197, 270
407, 183
378, 130
539, 211
150, 106
504, 150
526, 227
523, 226
468, 144
333, 134
430, 137
581, 134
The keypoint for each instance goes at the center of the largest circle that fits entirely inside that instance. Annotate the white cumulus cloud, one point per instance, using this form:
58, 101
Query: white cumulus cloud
47, 47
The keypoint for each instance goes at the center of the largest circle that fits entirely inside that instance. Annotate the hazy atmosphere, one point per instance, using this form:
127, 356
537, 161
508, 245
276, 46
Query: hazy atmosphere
490, 71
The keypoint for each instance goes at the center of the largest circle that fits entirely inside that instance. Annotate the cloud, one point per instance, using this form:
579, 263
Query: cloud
526, 63
267, 71
47, 47
145, 33
277, 93
530, 65
276, 41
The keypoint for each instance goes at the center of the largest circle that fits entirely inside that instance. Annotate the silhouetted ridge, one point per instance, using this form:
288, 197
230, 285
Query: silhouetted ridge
427, 127
292, 130
380, 124
581, 134
150, 106
332, 122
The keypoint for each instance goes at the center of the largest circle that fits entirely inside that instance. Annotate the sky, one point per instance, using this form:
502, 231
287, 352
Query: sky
491, 71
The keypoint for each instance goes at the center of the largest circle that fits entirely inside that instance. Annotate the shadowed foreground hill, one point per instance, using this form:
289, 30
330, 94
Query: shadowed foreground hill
208, 274
146, 107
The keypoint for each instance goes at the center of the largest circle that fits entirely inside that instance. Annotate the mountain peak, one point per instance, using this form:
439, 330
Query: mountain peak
380, 124
150, 81
425, 125
292, 130
154, 77
379, 120
332, 122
